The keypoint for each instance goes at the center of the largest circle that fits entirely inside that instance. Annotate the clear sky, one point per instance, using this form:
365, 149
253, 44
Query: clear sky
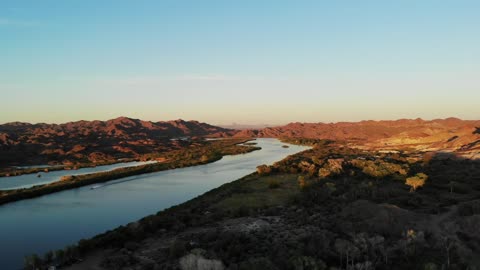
250, 62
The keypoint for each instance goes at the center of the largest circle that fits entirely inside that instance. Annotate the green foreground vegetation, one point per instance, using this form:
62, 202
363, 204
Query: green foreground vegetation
330, 207
191, 156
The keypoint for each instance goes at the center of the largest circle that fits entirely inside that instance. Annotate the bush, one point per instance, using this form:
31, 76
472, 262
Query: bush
264, 170
416, 181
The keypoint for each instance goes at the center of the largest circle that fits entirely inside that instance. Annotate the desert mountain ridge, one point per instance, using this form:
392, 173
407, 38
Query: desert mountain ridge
450, 134
95, 141
123, 137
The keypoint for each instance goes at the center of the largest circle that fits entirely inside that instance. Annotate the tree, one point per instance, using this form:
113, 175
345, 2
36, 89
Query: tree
416, 181
452, 185
448, 244
32, 262
264, 170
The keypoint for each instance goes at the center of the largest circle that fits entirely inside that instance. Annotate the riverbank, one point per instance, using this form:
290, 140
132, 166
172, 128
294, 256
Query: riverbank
61, 219
331, 207
73, 166
17, 171
191, 156
30, 180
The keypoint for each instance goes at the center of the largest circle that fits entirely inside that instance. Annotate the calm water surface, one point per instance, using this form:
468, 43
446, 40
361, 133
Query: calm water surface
29, 180
56, 220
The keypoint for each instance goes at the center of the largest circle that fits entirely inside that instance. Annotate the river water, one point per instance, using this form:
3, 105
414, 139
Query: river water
30, 180
60, 219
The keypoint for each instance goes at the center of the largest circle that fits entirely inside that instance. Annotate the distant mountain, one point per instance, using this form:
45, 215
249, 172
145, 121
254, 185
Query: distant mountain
94, 141
245, 126
100, 141
441, 134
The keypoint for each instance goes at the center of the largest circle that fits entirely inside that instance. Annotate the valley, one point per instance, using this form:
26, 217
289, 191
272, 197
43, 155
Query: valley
363, 195
331, 207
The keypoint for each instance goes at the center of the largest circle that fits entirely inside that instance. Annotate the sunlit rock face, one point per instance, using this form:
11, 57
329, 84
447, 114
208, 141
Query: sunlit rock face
441, 134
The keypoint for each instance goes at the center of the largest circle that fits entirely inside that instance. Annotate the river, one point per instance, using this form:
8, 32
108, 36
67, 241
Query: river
56, 220
33, 179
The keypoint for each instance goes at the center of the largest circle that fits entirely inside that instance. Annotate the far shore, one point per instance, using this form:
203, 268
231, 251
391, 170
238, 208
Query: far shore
191, 156
18, 170
33, 169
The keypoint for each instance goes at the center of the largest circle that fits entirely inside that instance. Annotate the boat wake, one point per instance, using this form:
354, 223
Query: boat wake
113, 183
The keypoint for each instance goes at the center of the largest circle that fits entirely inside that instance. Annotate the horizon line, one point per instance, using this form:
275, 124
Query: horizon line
247, 124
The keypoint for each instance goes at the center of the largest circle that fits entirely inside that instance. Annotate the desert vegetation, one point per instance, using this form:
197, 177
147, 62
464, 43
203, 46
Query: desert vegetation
331, 207
417, 181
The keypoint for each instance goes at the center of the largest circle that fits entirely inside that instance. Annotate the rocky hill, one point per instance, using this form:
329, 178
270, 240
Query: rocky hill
449, 134
106, 141
94, 141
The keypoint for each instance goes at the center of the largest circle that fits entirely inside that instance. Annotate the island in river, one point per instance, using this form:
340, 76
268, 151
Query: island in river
59, 219
190, 156
49, 176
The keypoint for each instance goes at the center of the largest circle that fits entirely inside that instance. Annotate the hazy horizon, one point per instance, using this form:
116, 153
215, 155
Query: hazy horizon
243, 125
246, 62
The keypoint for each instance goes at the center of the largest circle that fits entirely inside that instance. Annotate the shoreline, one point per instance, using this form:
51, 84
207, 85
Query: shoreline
245, 218
179, 159
52, 168
33, 169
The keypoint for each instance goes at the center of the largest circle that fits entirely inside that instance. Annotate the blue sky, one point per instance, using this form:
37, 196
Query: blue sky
239, 61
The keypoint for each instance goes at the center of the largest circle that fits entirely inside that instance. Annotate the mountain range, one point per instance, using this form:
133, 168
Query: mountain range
94, 141
104, 141
451, 134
